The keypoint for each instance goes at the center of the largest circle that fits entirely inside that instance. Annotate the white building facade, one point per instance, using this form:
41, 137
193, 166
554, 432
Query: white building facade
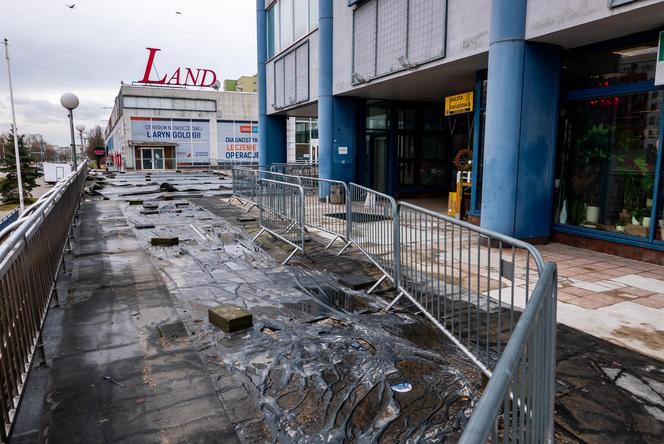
165, 128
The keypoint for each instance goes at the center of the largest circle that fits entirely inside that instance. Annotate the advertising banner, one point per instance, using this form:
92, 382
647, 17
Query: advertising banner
192, 137
237, 141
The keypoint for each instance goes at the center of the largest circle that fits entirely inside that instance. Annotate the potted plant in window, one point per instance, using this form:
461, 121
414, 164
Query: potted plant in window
591, 150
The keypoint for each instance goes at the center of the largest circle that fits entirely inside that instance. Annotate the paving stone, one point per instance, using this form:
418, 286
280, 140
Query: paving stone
230, 318
356, 281
164, 241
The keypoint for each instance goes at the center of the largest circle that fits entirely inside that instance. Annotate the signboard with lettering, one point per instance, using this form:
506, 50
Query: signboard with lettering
237, 141
459, 103
180, 77
659, 68
191, 137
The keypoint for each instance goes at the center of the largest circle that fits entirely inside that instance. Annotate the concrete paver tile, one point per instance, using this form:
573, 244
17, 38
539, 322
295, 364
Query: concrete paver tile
653, 301
595, 301
633, 280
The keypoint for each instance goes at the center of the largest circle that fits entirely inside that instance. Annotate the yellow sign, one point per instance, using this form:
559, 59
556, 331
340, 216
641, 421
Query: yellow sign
459, 103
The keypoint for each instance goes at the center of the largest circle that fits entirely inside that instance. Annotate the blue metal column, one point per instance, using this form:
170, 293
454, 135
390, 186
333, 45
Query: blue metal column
336, 115
521, 127
271, 129
325, 103
503, 115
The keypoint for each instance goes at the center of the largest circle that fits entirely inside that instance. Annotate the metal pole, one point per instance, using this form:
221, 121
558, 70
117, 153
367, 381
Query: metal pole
73, 138
82, 149
19, 177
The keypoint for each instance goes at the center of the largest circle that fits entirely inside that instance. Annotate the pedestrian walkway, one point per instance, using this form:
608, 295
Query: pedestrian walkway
620, 300
122, 367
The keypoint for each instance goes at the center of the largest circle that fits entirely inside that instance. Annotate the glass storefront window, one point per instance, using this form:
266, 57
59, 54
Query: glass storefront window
659, 219
606, 162
376, 115
616, 67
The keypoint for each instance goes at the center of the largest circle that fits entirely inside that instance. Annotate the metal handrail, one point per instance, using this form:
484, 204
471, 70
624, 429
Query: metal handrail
30, 260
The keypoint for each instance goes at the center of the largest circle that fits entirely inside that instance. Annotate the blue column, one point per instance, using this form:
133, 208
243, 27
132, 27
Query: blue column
521, 125
271, 129
325, 103
336, 115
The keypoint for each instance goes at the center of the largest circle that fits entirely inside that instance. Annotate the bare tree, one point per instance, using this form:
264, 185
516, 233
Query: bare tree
95, 140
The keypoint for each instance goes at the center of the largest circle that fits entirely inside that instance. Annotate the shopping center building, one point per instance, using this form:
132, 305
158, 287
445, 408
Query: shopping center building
169, 128
564, 123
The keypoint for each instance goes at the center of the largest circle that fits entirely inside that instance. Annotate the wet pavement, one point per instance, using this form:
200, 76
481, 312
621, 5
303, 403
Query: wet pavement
322, 362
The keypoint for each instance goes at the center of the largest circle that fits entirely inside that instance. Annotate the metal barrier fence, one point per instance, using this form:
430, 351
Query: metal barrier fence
281, 208
325, 204
373, 223
518, 403
473, 285
30, 259
296, 169
8, 219
245, 186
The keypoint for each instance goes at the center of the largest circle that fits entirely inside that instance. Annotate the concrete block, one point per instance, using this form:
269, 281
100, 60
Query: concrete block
136, 202
356, 281
148, 212
164, 241
144, 226
230, 318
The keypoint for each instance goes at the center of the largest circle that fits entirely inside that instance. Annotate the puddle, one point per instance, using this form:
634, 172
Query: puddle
328, 302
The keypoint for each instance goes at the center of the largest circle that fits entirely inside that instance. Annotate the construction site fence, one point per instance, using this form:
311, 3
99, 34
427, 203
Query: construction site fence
281, 207
473, 284
31, 256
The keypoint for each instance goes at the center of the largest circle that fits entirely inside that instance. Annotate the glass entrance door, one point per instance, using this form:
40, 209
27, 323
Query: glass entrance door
152, 158
377, 153
158, 158
146, 158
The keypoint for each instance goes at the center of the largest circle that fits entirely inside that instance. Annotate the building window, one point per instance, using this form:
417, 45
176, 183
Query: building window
607, 163
609, 134
169, 103
291, 78
393, 35
288, 21
608, 68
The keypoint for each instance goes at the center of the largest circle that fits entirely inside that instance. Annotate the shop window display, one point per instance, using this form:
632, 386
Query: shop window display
607, 161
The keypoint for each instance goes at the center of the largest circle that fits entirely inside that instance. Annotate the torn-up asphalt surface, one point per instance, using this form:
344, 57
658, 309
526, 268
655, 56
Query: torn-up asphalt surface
320, 364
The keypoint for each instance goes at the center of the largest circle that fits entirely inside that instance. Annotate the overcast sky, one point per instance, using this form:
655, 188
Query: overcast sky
89, 49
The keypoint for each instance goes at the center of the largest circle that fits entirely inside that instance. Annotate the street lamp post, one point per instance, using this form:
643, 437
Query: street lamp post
17, 155
70, 102
81, 128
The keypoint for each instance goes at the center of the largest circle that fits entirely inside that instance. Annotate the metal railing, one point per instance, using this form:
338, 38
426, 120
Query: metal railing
325, 203
472, 284
31, 254
281, 207
518, 402
245, 187
296, 169
372, 220
8, 219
